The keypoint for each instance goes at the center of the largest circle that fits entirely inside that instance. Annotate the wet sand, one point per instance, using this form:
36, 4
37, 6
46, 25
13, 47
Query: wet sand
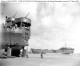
48, 60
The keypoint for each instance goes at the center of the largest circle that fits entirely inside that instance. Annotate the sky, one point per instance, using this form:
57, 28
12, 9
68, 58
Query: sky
53, 23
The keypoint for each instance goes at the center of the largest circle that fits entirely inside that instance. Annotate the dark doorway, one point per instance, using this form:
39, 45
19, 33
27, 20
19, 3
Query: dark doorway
15, 52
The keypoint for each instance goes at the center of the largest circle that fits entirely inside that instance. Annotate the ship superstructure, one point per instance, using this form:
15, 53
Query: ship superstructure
16, 33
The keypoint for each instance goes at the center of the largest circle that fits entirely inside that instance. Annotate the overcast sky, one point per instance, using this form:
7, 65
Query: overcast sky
53, 23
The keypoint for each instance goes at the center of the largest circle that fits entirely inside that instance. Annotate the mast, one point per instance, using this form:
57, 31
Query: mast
27, 15
14, 14
65, 45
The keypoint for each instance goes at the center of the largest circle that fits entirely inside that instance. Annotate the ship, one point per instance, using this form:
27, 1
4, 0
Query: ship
66, 50
15, 35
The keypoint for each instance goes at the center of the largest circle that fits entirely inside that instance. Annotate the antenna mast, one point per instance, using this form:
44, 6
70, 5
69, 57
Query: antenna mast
14, 14
65, 44
27, 15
